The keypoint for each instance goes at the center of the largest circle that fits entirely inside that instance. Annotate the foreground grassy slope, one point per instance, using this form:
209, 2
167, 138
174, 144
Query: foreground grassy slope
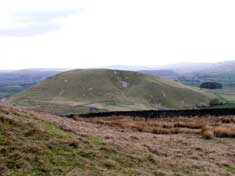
80, 91
32, 146
40, 144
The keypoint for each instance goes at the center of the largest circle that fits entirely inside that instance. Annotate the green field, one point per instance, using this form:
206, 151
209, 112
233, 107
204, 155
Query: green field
81, 91
227, 95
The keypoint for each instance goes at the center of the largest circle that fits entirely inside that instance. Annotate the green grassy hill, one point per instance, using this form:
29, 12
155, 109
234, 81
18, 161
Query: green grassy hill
81, 91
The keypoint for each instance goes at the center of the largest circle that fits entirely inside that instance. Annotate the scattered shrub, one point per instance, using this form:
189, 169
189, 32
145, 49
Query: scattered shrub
205, 128
211, 85
208, 134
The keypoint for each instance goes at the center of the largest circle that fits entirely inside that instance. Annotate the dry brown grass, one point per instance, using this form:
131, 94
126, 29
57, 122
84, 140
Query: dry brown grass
114, 146
225, 131
209, 127
207, 132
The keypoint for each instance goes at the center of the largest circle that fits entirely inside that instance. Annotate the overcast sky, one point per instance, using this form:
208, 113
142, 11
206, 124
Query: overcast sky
90, 33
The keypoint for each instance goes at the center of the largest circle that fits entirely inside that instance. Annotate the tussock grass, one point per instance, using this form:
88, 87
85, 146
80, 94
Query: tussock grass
207, 132
228, 132
209, 127
165, 131
191, 125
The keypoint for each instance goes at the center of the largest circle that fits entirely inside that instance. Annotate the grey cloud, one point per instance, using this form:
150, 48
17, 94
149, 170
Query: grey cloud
36, 23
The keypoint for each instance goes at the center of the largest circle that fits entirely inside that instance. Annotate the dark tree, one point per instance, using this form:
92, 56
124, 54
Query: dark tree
211, 85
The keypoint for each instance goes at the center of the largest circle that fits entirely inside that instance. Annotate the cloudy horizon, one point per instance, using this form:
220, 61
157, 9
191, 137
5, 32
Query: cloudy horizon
90, 33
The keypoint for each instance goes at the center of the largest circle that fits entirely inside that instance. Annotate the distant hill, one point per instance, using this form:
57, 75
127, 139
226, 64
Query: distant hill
197, 73
218, 68
14, 81
90, 90
164, 73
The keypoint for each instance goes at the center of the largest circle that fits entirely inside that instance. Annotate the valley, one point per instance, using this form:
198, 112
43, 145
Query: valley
15, 81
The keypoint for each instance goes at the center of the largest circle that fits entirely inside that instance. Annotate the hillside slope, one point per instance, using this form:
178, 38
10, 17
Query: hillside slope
40, 144
81, 91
